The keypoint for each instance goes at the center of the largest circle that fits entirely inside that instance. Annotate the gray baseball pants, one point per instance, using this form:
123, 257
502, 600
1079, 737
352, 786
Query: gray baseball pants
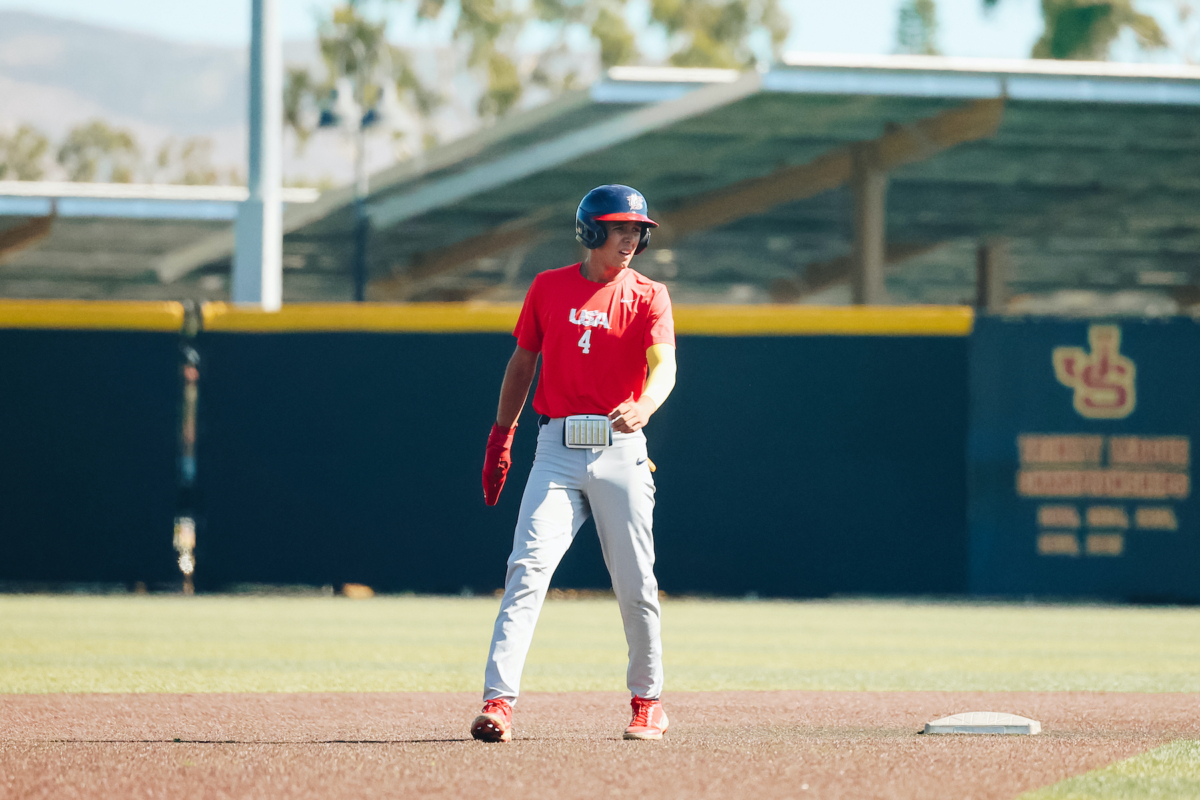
565, 486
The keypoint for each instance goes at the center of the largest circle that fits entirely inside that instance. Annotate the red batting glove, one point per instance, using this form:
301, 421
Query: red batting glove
496, 461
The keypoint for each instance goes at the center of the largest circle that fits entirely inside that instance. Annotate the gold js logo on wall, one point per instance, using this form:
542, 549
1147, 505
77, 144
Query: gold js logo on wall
1102, 379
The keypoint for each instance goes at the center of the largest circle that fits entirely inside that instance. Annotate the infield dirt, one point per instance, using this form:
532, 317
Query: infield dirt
727, 745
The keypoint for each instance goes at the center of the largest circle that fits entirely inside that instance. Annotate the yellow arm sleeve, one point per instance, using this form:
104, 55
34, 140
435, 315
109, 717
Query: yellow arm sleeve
660, 379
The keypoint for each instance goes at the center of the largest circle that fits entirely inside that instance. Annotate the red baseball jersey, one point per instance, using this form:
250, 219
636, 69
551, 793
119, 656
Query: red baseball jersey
593, 338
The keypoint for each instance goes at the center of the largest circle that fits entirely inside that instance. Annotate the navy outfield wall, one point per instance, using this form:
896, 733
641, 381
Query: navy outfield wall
89, 432
1080, 459
804, 452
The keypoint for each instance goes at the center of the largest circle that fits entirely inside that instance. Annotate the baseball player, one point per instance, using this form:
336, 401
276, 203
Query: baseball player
607, 343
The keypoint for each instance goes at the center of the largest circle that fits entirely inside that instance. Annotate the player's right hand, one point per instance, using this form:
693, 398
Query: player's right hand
496, 461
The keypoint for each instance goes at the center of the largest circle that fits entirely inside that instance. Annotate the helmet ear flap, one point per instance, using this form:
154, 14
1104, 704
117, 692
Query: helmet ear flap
643, 242
588, 232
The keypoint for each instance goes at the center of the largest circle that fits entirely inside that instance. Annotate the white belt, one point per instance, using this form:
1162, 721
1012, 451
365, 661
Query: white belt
587, 432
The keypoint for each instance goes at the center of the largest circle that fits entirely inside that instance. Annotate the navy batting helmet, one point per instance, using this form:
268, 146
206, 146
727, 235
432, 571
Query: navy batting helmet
611, 203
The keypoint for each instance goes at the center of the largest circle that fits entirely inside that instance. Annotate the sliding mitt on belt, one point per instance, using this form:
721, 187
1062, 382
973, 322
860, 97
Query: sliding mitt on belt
496, 461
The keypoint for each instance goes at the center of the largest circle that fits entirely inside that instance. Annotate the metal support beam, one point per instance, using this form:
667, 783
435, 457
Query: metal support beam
904, 144
822, 275
27, 234
258, 256
992, 269
362, 234
868, 252
362, 222
422, 267
546, 155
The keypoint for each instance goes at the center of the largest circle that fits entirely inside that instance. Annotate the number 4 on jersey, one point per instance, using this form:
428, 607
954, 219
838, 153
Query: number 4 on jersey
585, 341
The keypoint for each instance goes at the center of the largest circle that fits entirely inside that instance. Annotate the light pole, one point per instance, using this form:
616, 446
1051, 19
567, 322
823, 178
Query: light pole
348, 110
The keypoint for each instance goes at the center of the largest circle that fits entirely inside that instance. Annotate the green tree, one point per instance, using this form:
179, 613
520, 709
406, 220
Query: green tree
353, 47
490, 29
603, 21
916, 29
1086, 29
22, 154
717, 33
187, 162
700, 33
96, 152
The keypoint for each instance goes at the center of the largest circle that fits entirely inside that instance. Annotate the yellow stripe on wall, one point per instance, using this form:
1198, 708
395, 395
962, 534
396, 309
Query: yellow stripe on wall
706, 320
415, 317
91, 315
792, 320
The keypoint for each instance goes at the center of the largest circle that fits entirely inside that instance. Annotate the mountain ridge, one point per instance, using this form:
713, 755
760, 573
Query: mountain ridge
194, 89
57, 73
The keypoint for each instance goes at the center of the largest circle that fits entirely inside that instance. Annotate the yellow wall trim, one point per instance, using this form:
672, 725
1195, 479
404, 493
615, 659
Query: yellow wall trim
91, 315
705, 320
793, 320
382, 317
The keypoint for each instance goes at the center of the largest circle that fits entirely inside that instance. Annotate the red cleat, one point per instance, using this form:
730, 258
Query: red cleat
495, 723
649, 719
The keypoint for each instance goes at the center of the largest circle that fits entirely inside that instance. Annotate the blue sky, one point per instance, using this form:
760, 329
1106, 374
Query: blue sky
848, 26
843, 26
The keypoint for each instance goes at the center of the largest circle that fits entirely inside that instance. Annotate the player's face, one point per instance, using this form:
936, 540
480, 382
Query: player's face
623, 238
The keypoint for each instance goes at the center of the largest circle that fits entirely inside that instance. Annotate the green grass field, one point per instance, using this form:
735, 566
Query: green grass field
295, 644
1170, 772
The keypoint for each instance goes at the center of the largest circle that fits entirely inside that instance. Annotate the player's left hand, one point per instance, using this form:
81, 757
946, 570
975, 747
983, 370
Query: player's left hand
497, 459
631, 415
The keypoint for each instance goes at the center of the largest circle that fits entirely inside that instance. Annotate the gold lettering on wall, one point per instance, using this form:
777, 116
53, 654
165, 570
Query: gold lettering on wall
1058, 544
1065, 449
1103, 483
1075, 467
1167, 451
1156, 518
1058, 517
1105, 544
1107, 517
